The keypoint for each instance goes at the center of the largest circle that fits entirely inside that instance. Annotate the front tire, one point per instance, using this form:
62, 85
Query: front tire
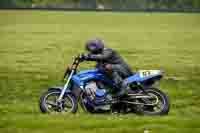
48, 102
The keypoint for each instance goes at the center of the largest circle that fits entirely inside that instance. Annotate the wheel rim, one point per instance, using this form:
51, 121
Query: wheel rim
52, 106
155, 108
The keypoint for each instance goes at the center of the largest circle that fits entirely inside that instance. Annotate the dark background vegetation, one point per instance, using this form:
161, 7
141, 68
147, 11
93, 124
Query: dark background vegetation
160, 5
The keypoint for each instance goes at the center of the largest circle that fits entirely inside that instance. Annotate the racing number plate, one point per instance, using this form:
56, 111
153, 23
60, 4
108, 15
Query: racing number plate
144, 73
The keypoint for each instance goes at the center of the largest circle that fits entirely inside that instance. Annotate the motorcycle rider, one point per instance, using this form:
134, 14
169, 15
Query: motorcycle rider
109, 61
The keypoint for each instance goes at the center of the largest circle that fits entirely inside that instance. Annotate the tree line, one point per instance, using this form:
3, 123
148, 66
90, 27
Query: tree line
102, 4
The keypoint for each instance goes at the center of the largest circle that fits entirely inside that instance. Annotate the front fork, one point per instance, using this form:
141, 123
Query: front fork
65, 87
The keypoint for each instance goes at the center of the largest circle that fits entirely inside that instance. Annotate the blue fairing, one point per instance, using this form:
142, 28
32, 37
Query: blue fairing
134, 78
84, 76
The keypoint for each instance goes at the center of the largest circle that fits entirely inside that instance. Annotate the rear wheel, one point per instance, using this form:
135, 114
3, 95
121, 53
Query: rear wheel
161, 107
48, 102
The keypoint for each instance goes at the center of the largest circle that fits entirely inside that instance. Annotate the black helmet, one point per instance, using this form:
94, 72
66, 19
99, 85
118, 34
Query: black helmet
95, 46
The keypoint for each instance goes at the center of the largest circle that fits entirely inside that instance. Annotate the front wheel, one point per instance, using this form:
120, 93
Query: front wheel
161, 107
48, 102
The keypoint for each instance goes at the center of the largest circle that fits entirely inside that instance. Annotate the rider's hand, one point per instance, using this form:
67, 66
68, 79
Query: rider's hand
83, 57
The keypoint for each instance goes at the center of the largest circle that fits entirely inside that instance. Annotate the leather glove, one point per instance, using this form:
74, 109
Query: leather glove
83, 57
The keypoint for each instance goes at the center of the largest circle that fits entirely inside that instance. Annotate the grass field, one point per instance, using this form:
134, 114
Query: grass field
36, 46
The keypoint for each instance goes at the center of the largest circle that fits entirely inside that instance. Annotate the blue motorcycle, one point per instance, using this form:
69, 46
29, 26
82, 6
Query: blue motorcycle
96, 93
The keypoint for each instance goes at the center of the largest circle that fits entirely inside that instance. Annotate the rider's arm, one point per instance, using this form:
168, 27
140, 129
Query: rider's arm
100, 57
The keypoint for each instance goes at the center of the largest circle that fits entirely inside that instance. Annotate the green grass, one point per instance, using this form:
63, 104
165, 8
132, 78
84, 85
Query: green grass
36, 46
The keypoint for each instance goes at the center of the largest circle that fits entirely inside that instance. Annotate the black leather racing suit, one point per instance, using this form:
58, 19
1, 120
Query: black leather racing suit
119, 68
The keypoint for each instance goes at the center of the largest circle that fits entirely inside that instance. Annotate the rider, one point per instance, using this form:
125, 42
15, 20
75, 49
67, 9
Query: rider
109, 61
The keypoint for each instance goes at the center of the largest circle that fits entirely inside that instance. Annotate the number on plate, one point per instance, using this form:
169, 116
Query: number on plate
146, 73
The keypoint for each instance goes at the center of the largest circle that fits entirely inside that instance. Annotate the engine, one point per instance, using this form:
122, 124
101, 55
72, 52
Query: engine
90, 89
97, 96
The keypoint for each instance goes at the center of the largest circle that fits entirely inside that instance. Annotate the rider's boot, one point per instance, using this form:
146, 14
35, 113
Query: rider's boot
122, 90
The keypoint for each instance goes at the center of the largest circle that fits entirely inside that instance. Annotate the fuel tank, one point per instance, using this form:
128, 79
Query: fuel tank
84, 76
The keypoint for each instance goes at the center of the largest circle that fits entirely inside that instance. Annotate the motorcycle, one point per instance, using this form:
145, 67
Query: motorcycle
96, 93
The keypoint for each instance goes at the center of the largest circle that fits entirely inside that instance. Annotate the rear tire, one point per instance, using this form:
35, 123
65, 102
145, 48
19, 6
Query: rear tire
50, 106
149, 110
